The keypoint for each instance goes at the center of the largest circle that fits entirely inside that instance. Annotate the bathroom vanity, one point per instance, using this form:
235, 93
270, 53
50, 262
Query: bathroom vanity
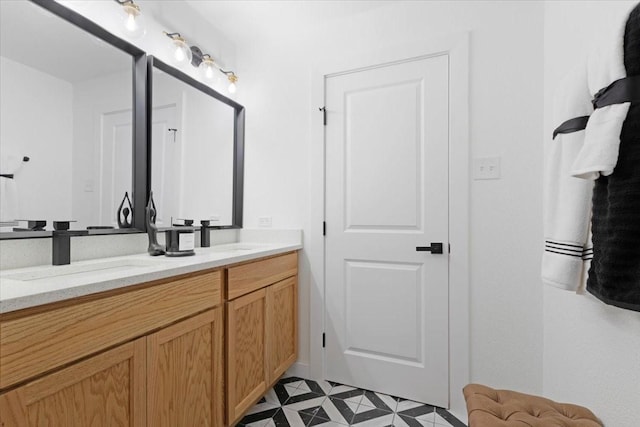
192, 342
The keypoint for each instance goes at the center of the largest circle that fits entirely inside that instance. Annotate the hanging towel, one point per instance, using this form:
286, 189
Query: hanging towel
614, 276
9, 164
605, 65
567, 200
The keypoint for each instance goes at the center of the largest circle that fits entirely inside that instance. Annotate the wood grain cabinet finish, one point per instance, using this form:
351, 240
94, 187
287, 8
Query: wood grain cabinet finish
282, 327
261, 329
251, 276
70, 364
104, 390
185, 373
247, 372
39, 342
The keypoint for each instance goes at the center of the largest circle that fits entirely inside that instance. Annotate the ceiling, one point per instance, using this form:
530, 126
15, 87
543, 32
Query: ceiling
34, 37
274, 20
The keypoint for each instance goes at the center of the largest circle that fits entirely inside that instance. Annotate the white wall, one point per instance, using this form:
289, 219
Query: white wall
28, 94
506, 120
591, 350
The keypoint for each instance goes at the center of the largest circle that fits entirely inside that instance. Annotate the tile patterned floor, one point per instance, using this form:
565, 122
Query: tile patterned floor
297, 402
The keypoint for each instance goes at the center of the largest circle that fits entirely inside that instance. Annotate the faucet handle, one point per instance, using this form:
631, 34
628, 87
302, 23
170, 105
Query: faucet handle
61, 225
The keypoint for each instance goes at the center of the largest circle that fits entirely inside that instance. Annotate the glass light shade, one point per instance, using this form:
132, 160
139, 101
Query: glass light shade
179, 51
232, 83
208, 69
132, 22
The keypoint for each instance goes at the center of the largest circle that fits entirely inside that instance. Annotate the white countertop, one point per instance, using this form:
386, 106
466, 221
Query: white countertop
33, 286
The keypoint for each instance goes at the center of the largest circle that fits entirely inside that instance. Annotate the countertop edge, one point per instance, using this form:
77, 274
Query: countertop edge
29, 301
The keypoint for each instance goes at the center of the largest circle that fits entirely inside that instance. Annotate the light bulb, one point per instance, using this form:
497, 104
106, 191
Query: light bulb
208, 68
133, 24
180, 53
232, 82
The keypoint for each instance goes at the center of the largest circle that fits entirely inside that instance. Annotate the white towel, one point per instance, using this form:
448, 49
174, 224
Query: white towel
567, 200
9, 164
605, 65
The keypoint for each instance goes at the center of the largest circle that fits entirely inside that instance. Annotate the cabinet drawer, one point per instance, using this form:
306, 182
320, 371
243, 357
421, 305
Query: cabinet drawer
255, 275
42, 341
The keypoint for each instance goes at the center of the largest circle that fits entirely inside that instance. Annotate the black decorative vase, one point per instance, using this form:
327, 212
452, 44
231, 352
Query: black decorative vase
154, 248
124, 211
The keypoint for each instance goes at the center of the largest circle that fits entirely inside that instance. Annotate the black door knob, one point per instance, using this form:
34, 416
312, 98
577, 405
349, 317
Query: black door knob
435, 248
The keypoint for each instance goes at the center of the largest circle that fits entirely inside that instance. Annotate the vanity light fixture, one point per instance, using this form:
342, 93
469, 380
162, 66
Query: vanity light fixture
232, 80
179, 49
181, 53
208, 66
132, 21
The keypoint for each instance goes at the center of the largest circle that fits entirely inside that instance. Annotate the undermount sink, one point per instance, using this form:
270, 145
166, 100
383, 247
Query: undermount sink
236, 247
78, 269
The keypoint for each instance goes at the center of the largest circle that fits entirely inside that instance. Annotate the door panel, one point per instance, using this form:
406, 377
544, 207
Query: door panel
116, 166
386, 194
372, 329
389, 115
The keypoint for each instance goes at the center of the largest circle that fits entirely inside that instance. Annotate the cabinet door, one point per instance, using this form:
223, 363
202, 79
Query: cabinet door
282, 331
185, 373
104, 390
246, 349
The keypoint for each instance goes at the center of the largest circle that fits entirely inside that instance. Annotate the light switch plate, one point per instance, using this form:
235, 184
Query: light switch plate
486, 168
264, 221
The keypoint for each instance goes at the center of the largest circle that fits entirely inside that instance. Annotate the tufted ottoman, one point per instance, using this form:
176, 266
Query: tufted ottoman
504, 408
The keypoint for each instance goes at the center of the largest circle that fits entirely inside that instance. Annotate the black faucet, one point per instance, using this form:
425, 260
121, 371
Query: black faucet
205, 235
61, 254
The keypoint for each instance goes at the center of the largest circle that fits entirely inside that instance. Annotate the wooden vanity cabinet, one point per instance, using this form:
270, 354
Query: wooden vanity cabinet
185, 373
261, 339
104, 390
151, 355
282, 327
246, 352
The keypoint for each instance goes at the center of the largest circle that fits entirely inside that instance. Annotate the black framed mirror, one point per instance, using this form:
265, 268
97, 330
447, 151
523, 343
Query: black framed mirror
196, 149
73, 136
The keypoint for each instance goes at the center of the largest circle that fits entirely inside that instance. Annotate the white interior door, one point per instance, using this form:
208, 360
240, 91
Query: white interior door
116, 165
387, 144
166, 158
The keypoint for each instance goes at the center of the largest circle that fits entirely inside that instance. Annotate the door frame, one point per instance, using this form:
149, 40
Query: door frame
456, 46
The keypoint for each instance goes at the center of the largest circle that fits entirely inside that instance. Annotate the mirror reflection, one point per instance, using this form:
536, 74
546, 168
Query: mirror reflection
66, 104
192, 146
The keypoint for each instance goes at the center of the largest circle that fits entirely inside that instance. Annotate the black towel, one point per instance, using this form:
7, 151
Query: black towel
614, 276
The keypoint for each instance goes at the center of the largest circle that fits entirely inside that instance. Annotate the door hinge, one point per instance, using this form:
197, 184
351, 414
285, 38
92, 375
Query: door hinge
324, 228
323, 340
449, 247
324, 115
